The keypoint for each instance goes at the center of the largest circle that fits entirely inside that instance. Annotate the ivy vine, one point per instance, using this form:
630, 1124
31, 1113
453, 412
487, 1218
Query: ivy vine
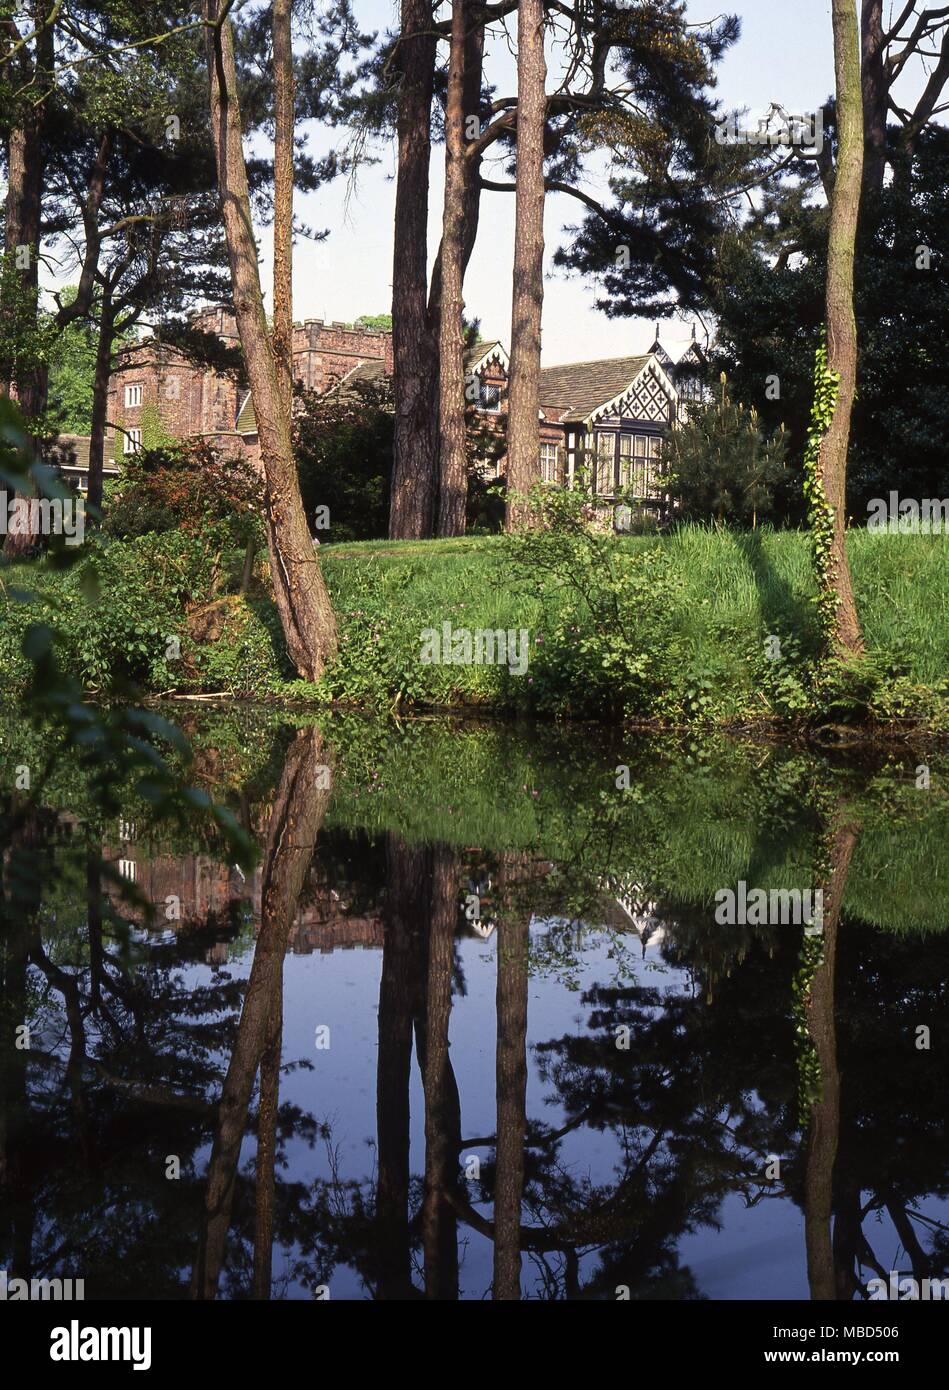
820, 512
809, 1078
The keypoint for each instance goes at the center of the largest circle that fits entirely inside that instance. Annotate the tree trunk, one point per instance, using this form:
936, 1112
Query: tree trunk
283, 201
22, 227
523, 433
875, 94
442, 1107
824, 1121
100, 400
25, 168
23, 220
411, 511
841, 320
453, 474
511, 1080
473, 69
298, 813
300, 592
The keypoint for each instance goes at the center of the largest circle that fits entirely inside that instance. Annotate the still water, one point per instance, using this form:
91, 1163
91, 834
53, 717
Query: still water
474, 1026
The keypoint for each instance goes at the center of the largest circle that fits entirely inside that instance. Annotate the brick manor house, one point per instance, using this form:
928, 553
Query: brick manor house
608, 415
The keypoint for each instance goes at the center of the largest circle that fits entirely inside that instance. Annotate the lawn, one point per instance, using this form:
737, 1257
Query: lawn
709, 626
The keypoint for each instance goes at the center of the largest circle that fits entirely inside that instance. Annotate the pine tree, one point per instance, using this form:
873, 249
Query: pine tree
721, 466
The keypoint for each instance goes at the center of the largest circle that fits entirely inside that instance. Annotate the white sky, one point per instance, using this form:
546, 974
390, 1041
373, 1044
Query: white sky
785, 54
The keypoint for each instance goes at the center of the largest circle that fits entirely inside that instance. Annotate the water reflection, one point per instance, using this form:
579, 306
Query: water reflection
396, 1066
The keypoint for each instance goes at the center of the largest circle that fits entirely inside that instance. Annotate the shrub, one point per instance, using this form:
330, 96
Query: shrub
721, 467
185, 487
343, 445
608, 644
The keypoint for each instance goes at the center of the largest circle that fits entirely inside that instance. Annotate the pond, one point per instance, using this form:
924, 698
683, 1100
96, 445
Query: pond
500, 1012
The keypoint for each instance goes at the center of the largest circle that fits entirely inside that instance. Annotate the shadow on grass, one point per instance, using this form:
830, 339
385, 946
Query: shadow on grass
783, 611
265, 610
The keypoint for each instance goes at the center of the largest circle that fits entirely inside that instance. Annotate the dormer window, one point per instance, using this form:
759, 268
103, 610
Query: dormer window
490, 397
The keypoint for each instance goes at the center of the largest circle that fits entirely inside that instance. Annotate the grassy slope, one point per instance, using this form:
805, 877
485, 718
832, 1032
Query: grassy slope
733, 591
736, 590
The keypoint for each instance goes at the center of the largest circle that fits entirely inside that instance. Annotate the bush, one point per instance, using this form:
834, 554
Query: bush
607, 645
721, 467
185, 487
343, 446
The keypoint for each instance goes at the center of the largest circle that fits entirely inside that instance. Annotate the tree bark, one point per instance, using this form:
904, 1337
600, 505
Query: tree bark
283, 201
511, 1080
414, 345
23, 219
875, 94
474, 154
298, 813
100, 399
841, 319
25, 169
523, 433
453, 474
824, 1121
302, 600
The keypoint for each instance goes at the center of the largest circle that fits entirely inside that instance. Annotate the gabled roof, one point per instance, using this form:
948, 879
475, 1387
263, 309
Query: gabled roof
72, 450
373, 370
577, 389
479, 354
657, 350
693, 355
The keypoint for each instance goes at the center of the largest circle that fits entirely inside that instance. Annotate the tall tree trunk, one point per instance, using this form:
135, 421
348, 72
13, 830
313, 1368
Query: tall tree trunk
408, 884
298, 813
100, 398
411, 511
283, 200
474, 69
25, 169
523, 431
442, 1107
452, 472
300, 592
841, 320
22, 228
511, 1080
875, 94
824, 1121
23, 219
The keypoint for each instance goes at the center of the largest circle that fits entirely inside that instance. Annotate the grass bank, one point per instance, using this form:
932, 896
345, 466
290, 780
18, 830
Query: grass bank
701, 626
